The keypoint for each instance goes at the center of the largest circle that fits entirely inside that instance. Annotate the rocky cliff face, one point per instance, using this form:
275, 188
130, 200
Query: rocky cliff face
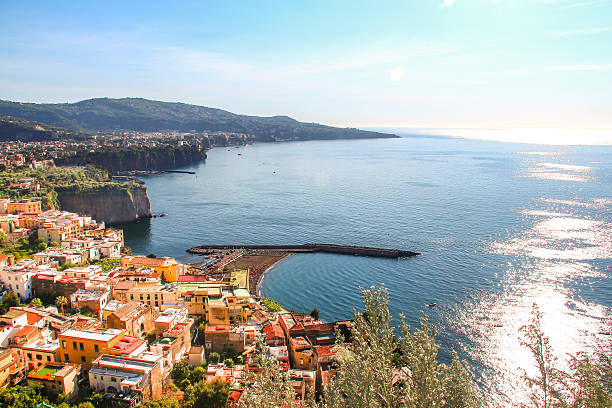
114, 205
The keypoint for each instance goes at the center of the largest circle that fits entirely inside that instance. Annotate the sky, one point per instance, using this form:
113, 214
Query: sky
411, 63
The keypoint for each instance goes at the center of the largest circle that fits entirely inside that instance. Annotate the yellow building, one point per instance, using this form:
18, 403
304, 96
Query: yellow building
84, 346
6, 362
26, 206
168, 267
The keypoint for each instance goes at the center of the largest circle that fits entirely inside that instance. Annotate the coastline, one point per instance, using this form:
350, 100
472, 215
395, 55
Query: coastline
261, 278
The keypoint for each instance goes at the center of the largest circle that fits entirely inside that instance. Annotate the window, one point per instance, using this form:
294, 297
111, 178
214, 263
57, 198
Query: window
96, 349
81, 347
66, 359
38, 357
113, 379
82, 359
48, 358
63, 343
74, 345
30, 356
131, 297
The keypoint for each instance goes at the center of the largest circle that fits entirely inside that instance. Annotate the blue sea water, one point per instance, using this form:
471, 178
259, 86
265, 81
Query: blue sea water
500, 227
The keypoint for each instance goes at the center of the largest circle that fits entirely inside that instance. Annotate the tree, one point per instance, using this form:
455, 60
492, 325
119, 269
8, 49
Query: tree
22, 396
60, 302
210, 395
314, 313
36, 302
270, 388
9, 300
180, 374
588, 383
214, 358
546, 387
228, 362
197, 375
368, 375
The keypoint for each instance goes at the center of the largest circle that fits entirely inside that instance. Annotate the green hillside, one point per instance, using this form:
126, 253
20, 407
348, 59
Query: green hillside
105, 114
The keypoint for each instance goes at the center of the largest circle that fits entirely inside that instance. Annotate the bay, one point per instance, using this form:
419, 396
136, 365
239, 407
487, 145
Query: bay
500, 227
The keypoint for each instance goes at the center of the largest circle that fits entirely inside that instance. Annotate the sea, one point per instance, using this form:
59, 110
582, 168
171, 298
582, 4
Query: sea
501, 227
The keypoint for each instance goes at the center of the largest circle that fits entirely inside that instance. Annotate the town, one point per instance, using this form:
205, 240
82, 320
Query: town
78, 311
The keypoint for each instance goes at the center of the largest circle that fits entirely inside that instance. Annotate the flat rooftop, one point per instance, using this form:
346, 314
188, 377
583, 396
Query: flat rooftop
105, 335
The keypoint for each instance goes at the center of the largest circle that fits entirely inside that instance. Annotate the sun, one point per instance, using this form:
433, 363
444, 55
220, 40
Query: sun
397, 73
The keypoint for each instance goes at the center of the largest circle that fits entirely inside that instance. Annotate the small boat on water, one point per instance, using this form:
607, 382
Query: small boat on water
432, 304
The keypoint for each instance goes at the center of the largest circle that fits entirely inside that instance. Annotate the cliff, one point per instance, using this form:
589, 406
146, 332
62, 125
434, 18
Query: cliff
112, 204
152, 158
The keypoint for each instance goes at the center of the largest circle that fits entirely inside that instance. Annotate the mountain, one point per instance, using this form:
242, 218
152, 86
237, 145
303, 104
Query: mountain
12, 128
106, 114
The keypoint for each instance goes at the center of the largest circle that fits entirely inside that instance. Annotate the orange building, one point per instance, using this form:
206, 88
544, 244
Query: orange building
26, 206
168, 267
84, 346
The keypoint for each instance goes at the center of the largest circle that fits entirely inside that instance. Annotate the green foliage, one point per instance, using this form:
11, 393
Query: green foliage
153, 256
109, 264
60, 302
214, 358
9, 300
36, 302
588, 383
210, 395
151, 337
22, 396
368, 365
271, 305
180, 372
197, 374
228, 362
314, 313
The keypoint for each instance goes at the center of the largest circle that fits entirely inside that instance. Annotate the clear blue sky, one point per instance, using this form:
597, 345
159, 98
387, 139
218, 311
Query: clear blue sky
445, 63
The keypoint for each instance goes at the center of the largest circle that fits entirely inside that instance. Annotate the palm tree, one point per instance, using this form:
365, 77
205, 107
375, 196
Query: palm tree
60, 301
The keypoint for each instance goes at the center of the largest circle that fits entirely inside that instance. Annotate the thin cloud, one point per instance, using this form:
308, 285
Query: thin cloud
585, 4
580, 31
448, 3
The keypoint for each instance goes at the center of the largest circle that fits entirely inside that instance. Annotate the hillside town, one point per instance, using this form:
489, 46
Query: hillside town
80, 311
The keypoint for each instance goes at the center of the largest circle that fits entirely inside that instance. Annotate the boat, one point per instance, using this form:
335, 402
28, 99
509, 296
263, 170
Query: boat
432, 304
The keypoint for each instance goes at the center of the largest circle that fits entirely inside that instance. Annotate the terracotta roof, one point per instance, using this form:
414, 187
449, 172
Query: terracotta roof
150, 261
123, 285
26, 331
126, 311
192, 278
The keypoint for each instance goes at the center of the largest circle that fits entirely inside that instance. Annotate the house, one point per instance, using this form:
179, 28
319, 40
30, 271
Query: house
25, 206
91, 301
19, 277
58, 378
128, 381
84, 346
6, 362
40, 352
168, 267
135, 318
196, 356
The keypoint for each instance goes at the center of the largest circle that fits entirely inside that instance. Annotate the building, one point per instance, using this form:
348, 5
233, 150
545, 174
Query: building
57, 378
91, 301
129, 381
135, 318
153, 295
25, 206
40, 352
84, 346
19, 277
168, 267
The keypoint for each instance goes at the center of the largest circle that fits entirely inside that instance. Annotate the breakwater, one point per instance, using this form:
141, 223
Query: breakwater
306, 248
